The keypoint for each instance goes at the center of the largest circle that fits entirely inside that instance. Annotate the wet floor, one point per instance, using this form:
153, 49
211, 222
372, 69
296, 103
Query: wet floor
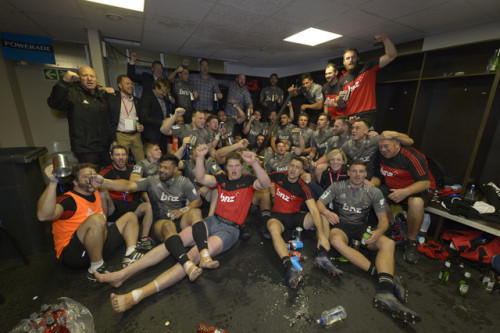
248, 294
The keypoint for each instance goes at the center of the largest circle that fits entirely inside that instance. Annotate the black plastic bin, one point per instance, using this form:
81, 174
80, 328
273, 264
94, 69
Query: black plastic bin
22, 183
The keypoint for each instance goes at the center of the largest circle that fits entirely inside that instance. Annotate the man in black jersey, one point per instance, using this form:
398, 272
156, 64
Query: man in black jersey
128, 202
290, 191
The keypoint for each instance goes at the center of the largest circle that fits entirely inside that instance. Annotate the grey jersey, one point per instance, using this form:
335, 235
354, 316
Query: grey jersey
169, 195
211, 168
145, 168
284, 132
279, 164
306, 134
335, 143
269, 92
365, 151
229, 125
183, 91
184, 130
256, 128
353, 205
314, 94
319, 140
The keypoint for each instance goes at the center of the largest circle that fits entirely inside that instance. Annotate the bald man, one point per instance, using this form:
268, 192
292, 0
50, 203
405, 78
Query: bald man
90, 130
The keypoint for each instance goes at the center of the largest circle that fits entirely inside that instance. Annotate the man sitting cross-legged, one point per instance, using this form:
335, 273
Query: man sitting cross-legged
353, 200
234, 190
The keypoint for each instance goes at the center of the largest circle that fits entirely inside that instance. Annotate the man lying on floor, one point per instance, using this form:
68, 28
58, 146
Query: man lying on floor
234, 190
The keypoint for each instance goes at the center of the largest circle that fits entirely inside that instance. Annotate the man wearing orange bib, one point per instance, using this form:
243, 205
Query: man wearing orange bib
81, 235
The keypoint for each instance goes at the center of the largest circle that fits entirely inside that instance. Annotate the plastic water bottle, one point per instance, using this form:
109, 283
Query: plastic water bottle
463, 285
471, 195
444, 274
366, 235
331, 316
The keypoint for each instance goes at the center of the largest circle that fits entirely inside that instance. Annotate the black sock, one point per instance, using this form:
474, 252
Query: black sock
385, 282
322, 250
372, 270
287, 262
265, 215
176, 248
200, 235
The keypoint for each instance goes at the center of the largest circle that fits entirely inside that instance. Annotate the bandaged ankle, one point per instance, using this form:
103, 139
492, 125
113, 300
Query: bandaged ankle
136, 294
157, 286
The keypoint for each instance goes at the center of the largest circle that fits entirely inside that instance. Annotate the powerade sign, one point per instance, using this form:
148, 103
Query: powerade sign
27, 48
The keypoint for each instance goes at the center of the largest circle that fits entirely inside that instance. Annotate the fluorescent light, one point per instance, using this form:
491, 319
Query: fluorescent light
312, 37
137, 5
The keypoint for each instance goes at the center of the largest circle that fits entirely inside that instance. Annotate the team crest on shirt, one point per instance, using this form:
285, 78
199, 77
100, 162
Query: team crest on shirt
137, 168
325, 194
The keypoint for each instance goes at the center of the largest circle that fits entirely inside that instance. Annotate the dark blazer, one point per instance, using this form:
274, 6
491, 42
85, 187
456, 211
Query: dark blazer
114, 106
151, 116
144, 79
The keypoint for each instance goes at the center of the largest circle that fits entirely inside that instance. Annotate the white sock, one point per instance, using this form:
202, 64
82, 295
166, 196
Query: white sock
129, 250
95, 265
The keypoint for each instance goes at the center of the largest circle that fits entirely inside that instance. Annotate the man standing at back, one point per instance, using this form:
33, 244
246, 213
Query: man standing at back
90, 129
359, 80
145, 79
206, 86
125, 116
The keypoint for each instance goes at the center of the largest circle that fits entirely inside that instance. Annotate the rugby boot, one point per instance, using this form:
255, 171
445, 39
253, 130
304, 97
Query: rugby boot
385, 300
322, 261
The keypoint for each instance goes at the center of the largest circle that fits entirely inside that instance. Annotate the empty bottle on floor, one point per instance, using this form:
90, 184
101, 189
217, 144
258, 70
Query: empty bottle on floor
463, 285
444, 274
331, 316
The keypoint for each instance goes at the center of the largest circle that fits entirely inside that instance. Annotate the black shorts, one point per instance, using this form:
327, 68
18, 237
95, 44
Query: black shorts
313, 116
290, 220
75, 256
353, 231
426, 196
122, 207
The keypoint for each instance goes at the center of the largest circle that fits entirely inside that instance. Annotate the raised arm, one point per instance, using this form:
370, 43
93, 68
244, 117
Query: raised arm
199, 169
166, 128
262, 182
404, 139
221, 153
47, 208
298, 150
390, 49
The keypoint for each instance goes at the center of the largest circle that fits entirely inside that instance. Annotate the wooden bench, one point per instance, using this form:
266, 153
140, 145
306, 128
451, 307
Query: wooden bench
489, 227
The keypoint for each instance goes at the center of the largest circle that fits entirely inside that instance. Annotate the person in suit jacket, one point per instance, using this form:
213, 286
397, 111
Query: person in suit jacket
145, 79
154, 109
125, 117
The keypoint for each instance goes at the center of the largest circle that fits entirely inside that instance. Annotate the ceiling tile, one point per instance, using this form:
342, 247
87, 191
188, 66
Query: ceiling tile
344, 24
187, 10
445, 17
392, 9
66, 8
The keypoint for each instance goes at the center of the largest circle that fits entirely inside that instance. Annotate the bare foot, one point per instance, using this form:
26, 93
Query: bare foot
122, 303
115, 279
192, 271
208, 262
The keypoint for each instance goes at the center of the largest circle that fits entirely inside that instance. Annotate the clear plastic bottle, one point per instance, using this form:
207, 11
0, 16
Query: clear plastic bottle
463, 285
470, 195
444, 274
331, 316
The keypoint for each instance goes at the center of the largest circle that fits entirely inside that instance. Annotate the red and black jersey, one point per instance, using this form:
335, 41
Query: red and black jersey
235, 197
331, 92
110, 172
407, 167
361, 82
288, 197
